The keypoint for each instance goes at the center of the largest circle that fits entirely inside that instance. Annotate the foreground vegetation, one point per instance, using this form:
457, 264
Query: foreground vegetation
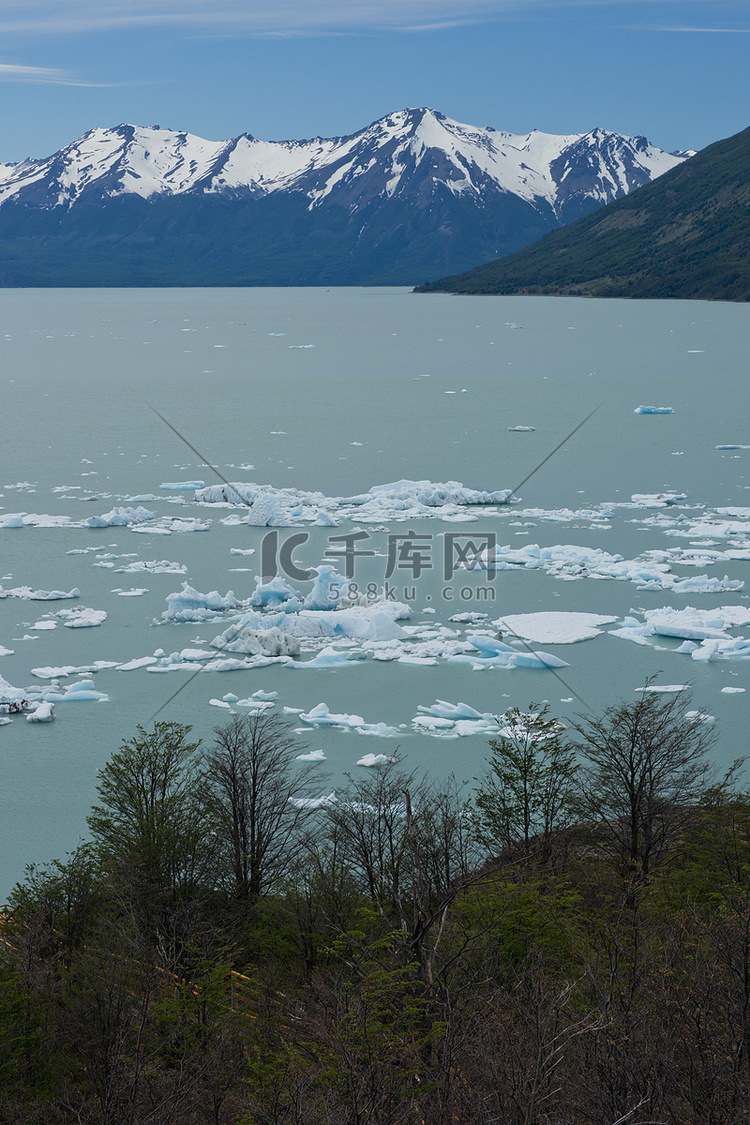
572, 947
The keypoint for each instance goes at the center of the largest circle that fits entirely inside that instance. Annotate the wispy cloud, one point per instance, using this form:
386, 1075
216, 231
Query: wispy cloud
291, 17
15, 72
43, 75
262, 17
708, 30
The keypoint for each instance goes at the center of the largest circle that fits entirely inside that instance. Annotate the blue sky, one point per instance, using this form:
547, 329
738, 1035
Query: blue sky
677, 71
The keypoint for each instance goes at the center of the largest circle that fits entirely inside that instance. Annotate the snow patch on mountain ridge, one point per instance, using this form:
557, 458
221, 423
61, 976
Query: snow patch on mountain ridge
413, 146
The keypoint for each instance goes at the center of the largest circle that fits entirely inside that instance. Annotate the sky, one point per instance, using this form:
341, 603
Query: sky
676, 71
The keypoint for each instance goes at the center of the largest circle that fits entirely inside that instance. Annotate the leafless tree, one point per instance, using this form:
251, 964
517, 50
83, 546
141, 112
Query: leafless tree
647, 770
253, 784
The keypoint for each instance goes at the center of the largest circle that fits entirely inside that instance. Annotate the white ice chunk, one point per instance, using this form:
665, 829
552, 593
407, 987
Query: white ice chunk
25, 593
320, 716
256, 642
121, 517
190, 605
43, 713
664, 687
313, 802
82, 618
561, 628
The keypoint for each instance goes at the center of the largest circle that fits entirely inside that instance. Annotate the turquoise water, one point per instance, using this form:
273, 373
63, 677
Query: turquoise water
286, 381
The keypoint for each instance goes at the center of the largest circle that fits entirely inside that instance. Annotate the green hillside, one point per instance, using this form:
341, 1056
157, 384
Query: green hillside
685, 235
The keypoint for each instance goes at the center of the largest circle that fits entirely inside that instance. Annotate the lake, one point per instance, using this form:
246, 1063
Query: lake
335, 392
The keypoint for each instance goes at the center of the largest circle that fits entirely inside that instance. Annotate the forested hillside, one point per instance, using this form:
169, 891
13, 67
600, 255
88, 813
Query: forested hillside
686, 235
567, 947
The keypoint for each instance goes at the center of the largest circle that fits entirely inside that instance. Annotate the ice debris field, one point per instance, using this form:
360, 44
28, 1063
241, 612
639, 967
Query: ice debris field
326, 623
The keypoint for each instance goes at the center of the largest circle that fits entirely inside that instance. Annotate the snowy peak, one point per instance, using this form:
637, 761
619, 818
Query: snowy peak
415, 153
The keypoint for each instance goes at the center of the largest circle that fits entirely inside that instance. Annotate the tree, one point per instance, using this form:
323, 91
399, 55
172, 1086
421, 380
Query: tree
252, 784
407, 846
527, 793
646, 772
153, 835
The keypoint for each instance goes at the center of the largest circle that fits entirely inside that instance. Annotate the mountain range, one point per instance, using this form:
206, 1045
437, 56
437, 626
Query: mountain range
411, 196
686, 235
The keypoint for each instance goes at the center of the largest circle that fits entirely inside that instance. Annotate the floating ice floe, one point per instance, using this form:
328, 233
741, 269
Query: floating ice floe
495, 651
598, 516
653, 410
42, 713
703, 632
453, 720
163, 566
401, 500
522, 429
571, 562
61, 671
313, 802
121, 517
697, 717
370, 761
560, 628
312, 756
732, 690
657, 499
320, 716
183, 485
168, 525
25, 593
82, 692
191, 605
10, 694
246, 638
82, 618
664, 687
139, 662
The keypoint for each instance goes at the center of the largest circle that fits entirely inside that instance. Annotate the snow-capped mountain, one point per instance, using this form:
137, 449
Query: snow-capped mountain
414, 191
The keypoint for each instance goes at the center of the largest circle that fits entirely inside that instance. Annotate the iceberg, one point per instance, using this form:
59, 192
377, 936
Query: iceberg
10, 695
83, 691
82, 618
25, 593
253, 641
43, 713
121, 517
190, 605
399, 500
320, 716
491, 647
